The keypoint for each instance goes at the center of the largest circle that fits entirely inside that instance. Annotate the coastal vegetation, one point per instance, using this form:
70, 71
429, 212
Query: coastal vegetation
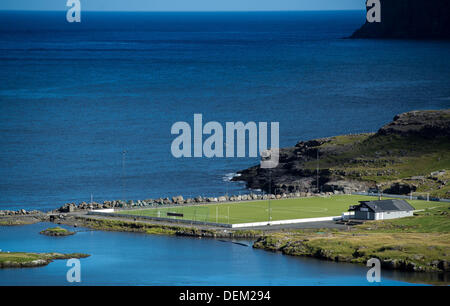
161, 229
28, 260
385, 160
420, 243
56, 231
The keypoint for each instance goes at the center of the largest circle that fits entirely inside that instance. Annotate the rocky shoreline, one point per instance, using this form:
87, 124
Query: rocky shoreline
302, 248
414, 244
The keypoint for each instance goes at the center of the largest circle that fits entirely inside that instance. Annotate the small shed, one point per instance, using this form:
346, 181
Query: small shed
382, 209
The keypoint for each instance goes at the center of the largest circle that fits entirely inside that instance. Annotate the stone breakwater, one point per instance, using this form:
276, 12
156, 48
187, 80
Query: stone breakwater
21, 217
20, 212
180, 200
60, 215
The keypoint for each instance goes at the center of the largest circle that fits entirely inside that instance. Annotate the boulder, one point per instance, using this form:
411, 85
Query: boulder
178, 199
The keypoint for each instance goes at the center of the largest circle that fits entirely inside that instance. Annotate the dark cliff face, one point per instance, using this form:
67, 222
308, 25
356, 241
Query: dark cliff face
410, 19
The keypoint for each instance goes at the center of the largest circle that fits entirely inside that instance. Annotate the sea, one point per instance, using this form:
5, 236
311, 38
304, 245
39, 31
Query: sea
86, 109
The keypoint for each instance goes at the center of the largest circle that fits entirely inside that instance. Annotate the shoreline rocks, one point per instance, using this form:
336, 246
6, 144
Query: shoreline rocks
20, 212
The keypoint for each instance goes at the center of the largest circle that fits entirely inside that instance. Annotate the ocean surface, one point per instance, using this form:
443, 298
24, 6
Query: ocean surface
138, 259
86, 109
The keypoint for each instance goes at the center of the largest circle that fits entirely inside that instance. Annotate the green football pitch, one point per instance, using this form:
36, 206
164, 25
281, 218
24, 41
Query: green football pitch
258, 211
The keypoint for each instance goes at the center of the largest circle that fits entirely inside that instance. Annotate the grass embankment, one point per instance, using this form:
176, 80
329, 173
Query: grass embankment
257, 211
385, 159
419, 243
56, 231
147, 228
27, 260
11, 221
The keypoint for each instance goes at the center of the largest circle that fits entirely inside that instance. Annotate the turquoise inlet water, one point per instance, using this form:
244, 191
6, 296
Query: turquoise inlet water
138, 259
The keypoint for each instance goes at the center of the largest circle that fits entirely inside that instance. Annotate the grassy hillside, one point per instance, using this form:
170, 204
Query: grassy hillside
386, 159
401, 157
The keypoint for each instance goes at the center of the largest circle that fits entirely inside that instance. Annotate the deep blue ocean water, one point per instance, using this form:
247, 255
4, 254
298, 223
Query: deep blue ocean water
74, 97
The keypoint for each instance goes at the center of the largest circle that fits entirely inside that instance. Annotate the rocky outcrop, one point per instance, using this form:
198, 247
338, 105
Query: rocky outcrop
56, 232
411, 19
427, 124
348, 163
296, 173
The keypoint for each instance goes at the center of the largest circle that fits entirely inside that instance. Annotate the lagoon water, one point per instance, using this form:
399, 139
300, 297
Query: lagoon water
138, 259
86, 109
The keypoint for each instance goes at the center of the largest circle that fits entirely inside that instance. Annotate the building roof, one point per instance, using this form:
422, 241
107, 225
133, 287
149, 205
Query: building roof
387, 205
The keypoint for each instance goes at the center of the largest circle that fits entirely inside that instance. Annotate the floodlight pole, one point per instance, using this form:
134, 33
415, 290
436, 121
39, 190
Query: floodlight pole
270, 193
124, 152
226, 183
318, 191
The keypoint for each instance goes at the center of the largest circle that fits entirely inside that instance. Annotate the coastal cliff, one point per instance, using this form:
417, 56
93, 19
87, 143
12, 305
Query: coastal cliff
410, 19
409, 154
